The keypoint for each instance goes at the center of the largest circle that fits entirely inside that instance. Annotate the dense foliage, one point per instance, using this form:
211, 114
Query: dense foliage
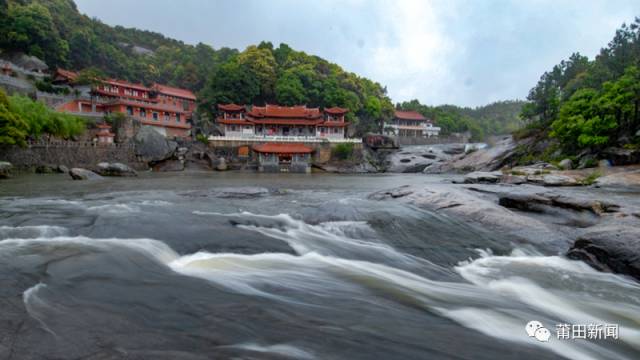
22, 118
264, 74
55, 31
592, 104
498, 118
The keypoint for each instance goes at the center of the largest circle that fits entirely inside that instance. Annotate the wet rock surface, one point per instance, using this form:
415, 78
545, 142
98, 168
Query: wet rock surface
83, 174
115, 169
5, 169
603, 231
611, 248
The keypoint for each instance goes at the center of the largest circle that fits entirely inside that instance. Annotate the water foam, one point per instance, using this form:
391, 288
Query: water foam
31, 231
114, 209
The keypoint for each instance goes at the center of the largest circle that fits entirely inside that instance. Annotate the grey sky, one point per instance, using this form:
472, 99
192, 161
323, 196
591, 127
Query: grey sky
464, 52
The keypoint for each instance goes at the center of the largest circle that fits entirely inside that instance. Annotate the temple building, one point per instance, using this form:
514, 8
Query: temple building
411, 124
166, 108
282, 121
283, 157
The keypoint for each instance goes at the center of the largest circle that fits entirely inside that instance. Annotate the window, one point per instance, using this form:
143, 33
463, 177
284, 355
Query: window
129, 110
166, 116
143, 113
177, 117
155, 116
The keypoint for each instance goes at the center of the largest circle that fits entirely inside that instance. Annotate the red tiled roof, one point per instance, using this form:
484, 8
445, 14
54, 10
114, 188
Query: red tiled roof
103, 126
335, 110
299, 111
283, 148
409, 115
173, 91
230, 107
71, 75
126, 84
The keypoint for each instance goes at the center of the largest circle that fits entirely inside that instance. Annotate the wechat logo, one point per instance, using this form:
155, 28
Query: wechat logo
536, 330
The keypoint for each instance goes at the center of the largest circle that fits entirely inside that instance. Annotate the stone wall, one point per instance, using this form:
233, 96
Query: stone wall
70, 154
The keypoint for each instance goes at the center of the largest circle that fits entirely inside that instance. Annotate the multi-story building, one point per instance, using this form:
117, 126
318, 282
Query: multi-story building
411, 124
282, 138
166, 108
288, 121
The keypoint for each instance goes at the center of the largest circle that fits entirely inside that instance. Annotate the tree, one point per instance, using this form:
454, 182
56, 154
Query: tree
13, 129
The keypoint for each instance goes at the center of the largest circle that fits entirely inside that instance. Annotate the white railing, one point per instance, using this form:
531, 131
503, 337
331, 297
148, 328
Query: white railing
284, 139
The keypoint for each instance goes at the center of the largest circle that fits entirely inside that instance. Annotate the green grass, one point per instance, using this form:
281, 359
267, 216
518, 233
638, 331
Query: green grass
591, 178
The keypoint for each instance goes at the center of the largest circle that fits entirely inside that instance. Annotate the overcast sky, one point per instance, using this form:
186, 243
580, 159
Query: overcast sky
463, 52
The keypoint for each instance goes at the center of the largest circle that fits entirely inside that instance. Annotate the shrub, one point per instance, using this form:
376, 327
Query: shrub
343, 151
202, 138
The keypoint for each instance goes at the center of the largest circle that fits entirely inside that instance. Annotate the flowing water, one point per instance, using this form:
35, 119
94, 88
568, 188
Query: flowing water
201, 266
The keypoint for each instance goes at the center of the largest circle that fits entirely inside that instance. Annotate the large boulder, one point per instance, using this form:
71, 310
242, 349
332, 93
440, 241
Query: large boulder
115, 169
612, 248
5, 169
415, 159
83, 174
153, 146
222, 165
62, 169
566, 164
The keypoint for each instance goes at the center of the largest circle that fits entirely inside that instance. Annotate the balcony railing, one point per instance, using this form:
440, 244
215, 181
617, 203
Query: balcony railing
268, 138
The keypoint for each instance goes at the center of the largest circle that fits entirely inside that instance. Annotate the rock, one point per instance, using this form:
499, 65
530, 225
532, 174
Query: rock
454, 149
153, 146
222, 165
415, 159
169, 165
45, 169
471, 206
393, 193
623, 179
513, 179
611, 248
535, 203
524, 202
115, 169
486, 159
477, 177
83, 174
566, 164
5, 169
620, 156
528, 171
62, 169
558, 180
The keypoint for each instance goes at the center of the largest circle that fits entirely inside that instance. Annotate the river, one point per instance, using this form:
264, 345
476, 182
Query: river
266, 266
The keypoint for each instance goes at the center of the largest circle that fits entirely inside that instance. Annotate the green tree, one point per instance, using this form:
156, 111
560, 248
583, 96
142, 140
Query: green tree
13, 129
